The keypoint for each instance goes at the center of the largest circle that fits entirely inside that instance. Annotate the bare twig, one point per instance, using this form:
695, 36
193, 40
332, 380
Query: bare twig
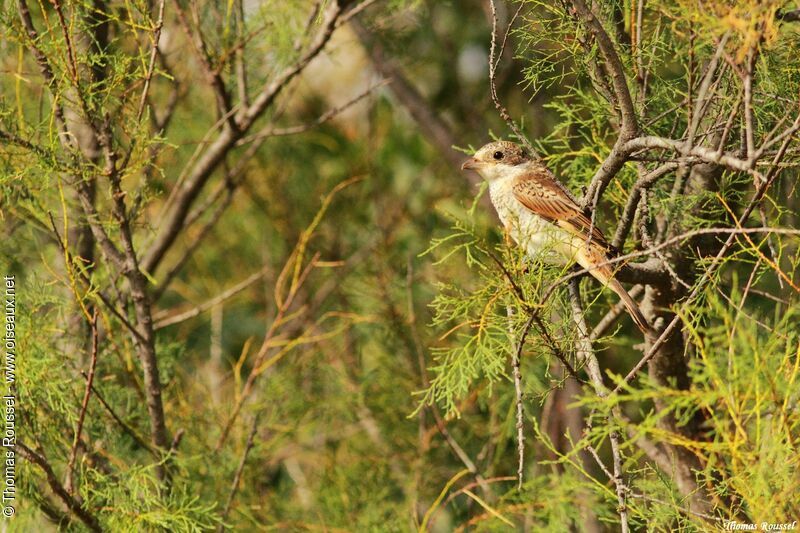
747, 82
703, 97
516, 364
197, 239
72, 62
628, 214
648, 241
72, 504
629, 126
84, 406
153, 56
238, 475
212, 72
215, 153
716, 262
358, 8
272, 131
613, 64
493, 63
162, 321
666, 244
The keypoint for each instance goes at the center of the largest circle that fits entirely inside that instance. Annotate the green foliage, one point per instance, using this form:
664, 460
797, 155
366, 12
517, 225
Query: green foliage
386, 398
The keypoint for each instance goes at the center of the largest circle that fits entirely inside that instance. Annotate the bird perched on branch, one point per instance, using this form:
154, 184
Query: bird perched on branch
542, 217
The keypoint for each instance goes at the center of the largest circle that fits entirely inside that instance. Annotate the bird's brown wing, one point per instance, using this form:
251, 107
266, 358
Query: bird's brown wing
539, 191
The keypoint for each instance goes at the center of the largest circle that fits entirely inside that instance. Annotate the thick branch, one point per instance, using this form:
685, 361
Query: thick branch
629, 126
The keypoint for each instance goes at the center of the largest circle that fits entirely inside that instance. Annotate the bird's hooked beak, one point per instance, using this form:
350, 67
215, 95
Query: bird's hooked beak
471, 164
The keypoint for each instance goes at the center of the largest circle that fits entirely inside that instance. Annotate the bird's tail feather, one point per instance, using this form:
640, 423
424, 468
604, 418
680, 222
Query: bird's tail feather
630, 305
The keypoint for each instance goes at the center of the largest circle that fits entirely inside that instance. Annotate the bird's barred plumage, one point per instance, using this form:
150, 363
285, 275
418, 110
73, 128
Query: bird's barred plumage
538, 190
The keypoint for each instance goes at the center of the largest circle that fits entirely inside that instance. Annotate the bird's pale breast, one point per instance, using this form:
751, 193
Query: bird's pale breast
540, 238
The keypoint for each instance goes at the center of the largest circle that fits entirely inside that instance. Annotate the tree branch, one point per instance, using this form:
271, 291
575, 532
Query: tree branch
72, 504
202, 170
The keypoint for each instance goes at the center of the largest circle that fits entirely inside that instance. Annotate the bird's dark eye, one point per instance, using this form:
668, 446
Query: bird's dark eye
498, 155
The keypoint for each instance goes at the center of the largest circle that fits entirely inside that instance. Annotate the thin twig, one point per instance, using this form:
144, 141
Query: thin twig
628, 214
272, 131
125, 427
238, 476
666, 244
73, 454
516, 363
629, 125
72, 504
213, 156
344, 19
537, 320
716, 262
493, 63
648, 241
153, 56
162, 321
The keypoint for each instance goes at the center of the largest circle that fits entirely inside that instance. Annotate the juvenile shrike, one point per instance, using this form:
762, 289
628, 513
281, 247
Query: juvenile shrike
541, 216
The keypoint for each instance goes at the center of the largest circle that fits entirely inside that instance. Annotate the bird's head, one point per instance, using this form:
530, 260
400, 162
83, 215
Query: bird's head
497, 160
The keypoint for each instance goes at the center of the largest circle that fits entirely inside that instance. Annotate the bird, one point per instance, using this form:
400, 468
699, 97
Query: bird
541, 216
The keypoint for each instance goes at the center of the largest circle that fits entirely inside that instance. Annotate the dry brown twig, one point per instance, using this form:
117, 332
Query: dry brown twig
516, 364
197, 175
287, 287
91, 521
494, 60
73, 454
153, 56
238, 475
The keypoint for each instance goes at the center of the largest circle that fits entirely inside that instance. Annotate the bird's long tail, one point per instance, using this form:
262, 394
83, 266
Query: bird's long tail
595, 260
630, 305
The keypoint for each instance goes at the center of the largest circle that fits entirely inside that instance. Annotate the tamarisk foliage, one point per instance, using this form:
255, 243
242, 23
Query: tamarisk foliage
678, 122
255, 291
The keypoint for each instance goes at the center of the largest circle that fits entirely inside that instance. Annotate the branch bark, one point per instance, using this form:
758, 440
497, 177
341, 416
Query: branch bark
58, 489
629, 126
